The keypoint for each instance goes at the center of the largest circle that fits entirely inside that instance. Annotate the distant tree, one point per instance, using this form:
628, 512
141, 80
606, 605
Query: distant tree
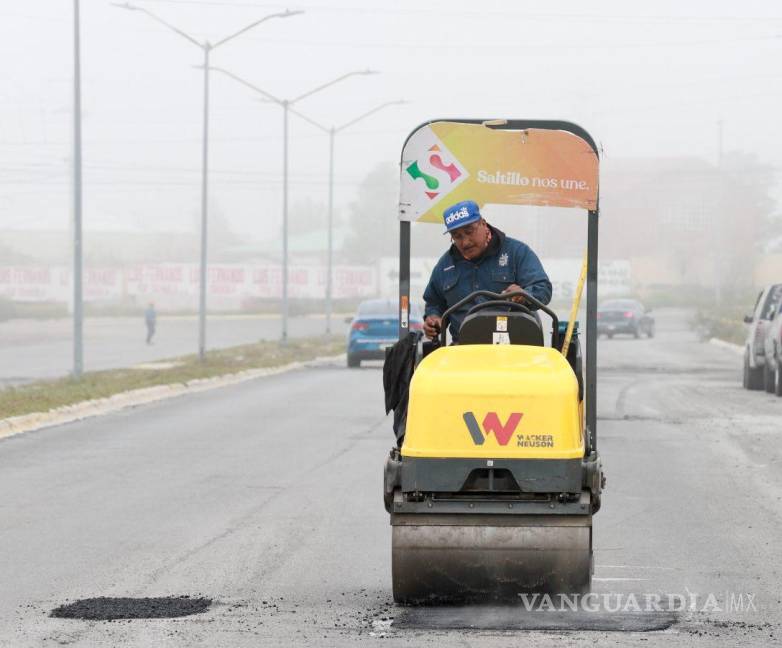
306, 215
373, 216
746, 215
220, 235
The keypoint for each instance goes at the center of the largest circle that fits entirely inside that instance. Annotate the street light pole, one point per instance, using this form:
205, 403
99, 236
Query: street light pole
78, 313
330, 255
204, 213
332, 133
206, 47
285, 110
286, 105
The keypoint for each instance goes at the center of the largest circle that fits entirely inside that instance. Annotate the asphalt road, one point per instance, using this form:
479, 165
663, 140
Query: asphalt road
36, 349
266, 496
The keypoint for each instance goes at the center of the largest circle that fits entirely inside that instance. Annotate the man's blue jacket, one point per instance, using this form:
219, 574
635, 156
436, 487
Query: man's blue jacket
506, 261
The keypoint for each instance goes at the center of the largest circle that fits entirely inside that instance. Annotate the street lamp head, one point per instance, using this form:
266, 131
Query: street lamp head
288, 13
125, 5
368, 71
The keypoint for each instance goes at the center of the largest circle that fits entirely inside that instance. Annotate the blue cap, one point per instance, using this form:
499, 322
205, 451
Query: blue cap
461, 214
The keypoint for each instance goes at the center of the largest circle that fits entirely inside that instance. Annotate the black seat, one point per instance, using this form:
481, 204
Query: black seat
482, 328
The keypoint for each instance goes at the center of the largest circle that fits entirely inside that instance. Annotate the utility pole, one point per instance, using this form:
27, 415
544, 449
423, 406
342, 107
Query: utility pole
285, 307
204, 212
332, 133
78, 311
716, 253
330, 225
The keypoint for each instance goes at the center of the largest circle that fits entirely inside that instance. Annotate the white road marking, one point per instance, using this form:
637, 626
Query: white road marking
636, 567
619, 579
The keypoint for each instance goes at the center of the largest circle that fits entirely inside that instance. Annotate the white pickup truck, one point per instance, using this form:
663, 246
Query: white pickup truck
756, 374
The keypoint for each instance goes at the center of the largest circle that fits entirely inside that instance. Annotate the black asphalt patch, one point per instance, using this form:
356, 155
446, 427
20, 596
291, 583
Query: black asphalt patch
514, 618
109, 609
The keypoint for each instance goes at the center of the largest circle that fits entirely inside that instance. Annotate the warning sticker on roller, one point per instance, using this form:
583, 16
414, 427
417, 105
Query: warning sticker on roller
499, 337
502, 323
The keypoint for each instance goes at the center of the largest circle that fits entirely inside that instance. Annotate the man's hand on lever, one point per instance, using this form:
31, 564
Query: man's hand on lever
432, 326
519, 299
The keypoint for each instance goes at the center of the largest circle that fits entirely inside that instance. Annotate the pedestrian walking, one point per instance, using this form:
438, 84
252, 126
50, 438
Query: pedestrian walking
150, 317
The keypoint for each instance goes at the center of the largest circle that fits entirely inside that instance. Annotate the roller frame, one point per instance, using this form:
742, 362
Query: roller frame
452, 548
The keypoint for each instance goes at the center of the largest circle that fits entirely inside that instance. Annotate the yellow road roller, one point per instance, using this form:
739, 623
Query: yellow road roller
492, 491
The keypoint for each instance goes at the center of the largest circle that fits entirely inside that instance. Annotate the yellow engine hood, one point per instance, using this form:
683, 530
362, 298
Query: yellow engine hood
494, 402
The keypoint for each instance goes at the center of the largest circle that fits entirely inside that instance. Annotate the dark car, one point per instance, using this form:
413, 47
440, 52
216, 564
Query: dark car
375, 328
624, 316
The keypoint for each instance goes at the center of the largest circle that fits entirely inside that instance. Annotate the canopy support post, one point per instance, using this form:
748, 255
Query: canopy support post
591, 329
404, 278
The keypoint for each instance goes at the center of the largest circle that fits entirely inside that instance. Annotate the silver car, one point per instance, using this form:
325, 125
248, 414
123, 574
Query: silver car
772, 351
756, 374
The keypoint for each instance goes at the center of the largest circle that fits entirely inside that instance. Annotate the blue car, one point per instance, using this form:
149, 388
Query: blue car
375, 327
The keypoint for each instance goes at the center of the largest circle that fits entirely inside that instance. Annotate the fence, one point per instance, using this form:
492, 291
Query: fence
175, 286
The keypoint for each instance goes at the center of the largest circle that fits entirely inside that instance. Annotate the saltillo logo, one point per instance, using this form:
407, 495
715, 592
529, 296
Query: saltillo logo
431, 168
442, 172
492, 425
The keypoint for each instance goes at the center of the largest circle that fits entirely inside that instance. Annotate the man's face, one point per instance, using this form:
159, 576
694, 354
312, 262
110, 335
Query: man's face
471, 240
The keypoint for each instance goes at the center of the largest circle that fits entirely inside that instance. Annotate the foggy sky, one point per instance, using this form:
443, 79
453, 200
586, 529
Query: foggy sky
645, 80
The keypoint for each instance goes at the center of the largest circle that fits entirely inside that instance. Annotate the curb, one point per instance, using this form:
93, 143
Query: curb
99, 406
728, 346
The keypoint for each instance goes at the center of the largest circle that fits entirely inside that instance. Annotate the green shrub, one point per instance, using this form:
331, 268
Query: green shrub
725, 323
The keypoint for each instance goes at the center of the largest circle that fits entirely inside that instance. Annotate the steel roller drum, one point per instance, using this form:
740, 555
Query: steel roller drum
457, 558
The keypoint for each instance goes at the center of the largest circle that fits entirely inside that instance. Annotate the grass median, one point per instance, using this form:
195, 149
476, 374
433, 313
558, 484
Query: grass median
725, 323
46, 395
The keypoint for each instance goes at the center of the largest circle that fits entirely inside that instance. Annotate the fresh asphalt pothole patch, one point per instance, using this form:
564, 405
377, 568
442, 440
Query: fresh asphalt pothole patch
517, 618
110, 609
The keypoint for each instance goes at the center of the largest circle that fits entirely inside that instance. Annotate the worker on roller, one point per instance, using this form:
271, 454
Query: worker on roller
481, 257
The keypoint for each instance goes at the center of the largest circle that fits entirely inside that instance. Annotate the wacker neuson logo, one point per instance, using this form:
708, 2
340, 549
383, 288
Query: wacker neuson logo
535, 440
503, 432
492, 425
